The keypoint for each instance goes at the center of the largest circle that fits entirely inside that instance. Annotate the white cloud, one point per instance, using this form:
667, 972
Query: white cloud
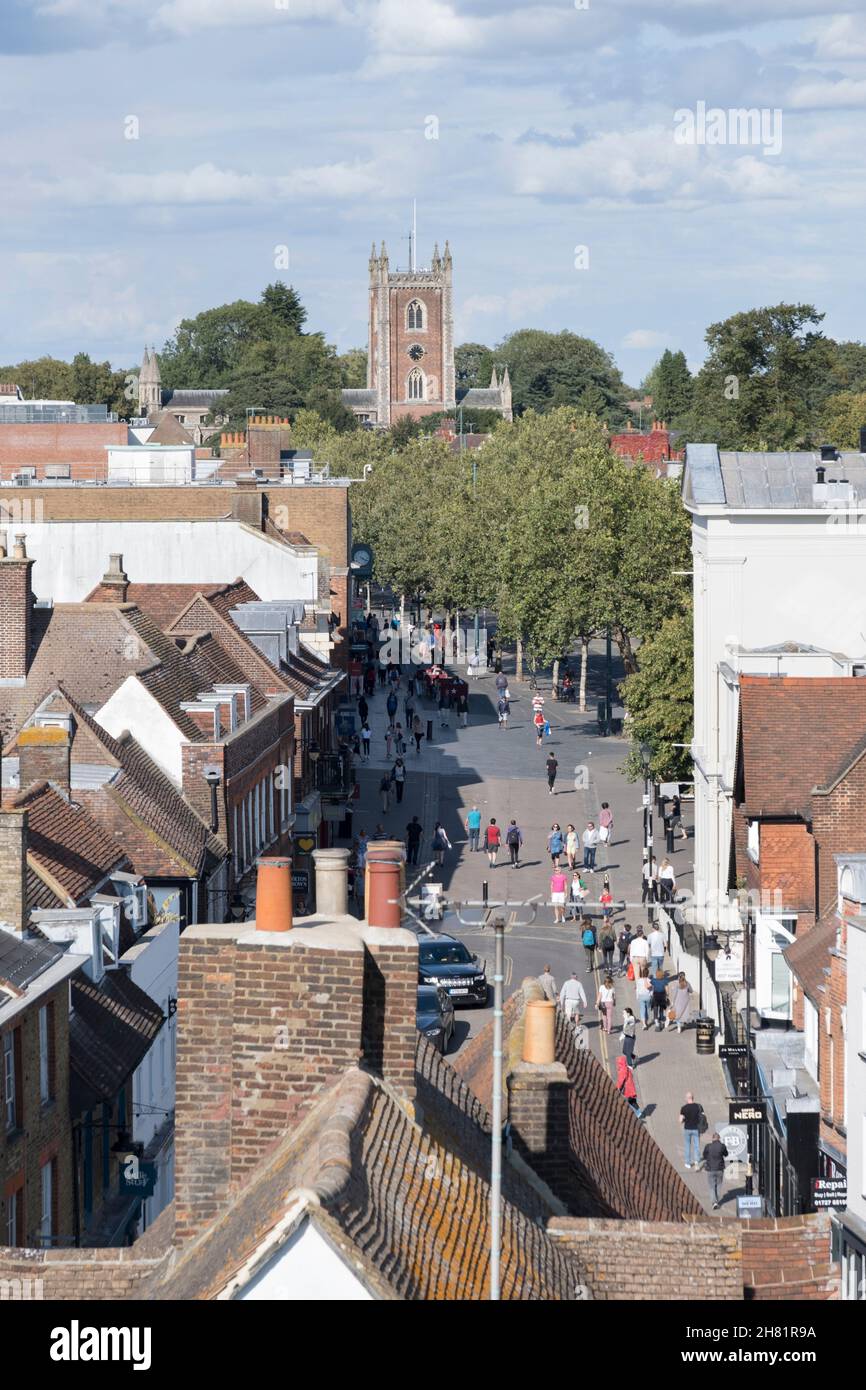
208, 184
645, 338
817, 95
187, 16
843, 40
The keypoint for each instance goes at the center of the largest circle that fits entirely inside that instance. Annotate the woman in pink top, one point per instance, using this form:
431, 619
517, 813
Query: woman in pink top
558, 888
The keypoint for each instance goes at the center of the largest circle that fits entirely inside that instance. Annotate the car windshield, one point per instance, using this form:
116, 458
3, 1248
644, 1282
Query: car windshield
444, 953
428, 999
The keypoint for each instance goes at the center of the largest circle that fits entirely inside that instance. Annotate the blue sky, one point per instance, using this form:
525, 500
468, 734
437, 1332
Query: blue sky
304, 123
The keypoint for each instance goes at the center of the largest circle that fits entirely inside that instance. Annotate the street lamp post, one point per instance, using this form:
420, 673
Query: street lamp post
496, 1118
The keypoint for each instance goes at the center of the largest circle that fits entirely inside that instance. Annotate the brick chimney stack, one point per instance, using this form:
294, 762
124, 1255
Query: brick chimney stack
538, 1092
16, 607
114, 585
44, 756
13, 870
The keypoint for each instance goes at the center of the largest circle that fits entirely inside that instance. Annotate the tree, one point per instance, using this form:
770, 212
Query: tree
763, 380
548, 370
659, 701
283, 304
842, 418
353, 368
670, 385
473, 365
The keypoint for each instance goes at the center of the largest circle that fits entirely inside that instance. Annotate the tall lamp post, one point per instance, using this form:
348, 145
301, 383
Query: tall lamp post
646, 758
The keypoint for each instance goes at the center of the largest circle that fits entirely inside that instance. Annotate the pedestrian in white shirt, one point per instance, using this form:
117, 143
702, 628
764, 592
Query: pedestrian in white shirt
638, 951
572, 997
590, 845
656, 944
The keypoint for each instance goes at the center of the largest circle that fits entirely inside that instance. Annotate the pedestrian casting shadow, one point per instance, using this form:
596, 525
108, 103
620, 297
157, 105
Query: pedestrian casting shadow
646, 1057
649, 1109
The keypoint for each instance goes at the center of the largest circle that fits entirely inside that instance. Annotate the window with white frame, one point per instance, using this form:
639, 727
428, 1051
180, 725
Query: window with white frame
753, 842
46, 1223
10, 1099
780, 984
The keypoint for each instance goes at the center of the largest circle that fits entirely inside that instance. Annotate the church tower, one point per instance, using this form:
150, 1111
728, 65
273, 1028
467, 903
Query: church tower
410, 363
149, 385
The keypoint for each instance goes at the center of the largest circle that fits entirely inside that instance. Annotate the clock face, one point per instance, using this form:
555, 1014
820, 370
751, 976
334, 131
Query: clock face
362, 556
416, 352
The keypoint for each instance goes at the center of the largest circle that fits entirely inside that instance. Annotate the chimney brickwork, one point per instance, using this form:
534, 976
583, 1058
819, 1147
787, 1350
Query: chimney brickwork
44, 755
16, 606
13, 869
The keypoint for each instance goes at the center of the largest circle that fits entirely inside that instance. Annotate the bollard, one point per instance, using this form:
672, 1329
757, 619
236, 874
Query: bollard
429, 730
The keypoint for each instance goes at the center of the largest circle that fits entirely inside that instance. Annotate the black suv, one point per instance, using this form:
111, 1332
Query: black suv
434, 1016
445, 961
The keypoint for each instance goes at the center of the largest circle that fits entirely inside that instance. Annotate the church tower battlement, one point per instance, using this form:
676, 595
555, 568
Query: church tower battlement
410, 362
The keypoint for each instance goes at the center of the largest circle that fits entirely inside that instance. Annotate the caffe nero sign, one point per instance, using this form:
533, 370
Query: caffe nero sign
748, 1112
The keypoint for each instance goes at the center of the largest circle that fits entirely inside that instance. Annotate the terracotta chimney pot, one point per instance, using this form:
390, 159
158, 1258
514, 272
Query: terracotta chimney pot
274, 894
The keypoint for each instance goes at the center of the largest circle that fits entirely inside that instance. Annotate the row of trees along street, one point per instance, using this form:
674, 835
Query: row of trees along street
561, 539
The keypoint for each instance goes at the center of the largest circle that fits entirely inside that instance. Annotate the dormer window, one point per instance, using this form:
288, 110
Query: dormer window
415, 386
415, 315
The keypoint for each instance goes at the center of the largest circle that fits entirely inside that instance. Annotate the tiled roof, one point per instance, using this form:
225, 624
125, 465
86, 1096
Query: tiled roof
66, 842
794, 733
617, 1167
192, 400
809, 957
111, 1028
297, 676
169, 430
163, 603
22, 962
410, 1217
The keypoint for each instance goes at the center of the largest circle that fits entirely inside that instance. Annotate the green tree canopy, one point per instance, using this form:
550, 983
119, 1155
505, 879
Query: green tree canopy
659, 700
842, 418
670, 385
549, 370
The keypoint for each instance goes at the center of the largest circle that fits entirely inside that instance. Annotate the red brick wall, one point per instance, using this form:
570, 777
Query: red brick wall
832, 1048
45, 1129
81, 446
15, 611
839, 821
402, 338
787, 868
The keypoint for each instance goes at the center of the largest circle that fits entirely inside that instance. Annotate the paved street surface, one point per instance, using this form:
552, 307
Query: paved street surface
504, 774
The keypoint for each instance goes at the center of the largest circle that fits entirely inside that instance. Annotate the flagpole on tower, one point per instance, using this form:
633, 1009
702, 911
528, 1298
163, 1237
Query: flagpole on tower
414, 232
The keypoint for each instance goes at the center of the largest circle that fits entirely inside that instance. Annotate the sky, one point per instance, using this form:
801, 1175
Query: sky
158, 158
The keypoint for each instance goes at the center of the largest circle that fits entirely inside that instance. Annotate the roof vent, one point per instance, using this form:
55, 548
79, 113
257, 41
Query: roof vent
829, 453
819, 474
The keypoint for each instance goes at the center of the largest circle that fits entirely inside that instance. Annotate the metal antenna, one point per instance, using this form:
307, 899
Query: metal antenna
414, 233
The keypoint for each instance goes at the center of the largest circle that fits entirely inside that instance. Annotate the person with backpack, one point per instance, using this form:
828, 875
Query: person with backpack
555, 844
608, 945
589, 944
398, 777
605, 1001
440, 843
492, 841
552, 769
623, 942
626, 1087
514, 839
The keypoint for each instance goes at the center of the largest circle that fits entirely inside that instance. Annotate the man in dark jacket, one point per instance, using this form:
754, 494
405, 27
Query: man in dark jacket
715, 1154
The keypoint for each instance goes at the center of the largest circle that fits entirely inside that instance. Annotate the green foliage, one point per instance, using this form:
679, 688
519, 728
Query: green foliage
659, 701
473, 365
353, 368
765, 377
841, 419
81, 380
670, 385
549, 370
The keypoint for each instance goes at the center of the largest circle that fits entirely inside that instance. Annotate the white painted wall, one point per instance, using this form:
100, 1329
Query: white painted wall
134, 708
760, 579
72, 556
160, 463
308, 1269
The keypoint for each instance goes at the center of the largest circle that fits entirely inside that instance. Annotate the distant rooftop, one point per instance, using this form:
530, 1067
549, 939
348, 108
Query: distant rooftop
774, 481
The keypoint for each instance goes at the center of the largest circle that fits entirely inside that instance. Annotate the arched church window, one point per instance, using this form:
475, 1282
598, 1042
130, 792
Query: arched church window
415, 314
415, 390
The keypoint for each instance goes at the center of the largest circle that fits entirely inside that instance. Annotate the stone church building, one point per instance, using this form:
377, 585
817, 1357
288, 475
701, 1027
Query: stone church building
410, 358
188, 408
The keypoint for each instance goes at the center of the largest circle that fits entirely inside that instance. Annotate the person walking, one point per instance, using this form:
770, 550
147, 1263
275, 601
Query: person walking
555, 844
681, 1002
361, 849
628, 1035
643, 993
385, 791
398, 777
389, 739
661, 1003
606, 903
589, 944
414, 831
608, 946
623, 942
538, 721
473, 828
605, 825
399, 741
548, 984
572, 845
691, 1115
667, 881
366, 735
391, 707
514, 839
572, 997
552, 768
715, 1154
363, 709
656, 944
677, 818
463, 710
492, 841
417, 733
590, 845
558, 890
409, 706
576, 897
440, 843
625, 1085
502, 713
638, 952
605, 1001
